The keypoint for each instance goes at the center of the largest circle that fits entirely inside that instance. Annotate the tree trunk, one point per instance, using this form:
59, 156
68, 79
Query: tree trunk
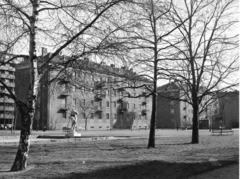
151, 139
20, 162
27, 110
85, 124
195, 129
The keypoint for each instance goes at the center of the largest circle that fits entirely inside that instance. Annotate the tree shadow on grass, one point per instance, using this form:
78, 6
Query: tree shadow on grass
149, 170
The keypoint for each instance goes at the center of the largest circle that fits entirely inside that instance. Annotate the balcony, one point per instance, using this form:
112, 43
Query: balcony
121, 111
99, 85
98, 109
65, 80
98, 98
62, 108
64, 93
120, 101
144, 112
121, 89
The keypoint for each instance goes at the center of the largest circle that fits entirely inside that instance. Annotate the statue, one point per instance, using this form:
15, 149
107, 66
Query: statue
73, 117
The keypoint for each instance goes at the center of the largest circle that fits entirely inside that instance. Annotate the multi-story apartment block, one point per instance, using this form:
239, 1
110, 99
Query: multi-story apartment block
172, 113
99, 94
7, 105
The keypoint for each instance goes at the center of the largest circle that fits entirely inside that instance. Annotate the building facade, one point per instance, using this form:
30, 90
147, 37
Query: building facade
100, 97
225, 110
172, 113
7, 104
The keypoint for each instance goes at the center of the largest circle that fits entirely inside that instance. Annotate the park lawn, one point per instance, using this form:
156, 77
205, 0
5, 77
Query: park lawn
173, 157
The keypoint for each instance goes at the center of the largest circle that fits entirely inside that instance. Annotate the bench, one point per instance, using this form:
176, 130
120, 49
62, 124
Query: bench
142, 127
66, 129
222, 131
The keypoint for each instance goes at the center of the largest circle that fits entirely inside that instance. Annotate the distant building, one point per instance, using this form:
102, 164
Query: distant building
96, 101
172, 113
225, 111
7, 105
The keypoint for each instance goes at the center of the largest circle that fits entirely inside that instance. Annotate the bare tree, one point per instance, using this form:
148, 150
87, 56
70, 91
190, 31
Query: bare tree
204, 57
88, 109
57, 24
148, 29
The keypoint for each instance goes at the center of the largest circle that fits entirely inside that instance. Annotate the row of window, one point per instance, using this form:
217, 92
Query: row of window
2, 88
7, 80
83, 102
100, 116
107, 92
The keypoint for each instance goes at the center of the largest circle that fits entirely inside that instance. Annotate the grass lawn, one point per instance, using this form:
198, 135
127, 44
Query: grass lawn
173, 157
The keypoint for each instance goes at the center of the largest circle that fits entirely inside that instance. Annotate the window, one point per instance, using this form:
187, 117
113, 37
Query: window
172, 111
100, 115
134, 106
74, 88
92, 115
114, 104
115, 93
84, 115
64, 115
127, 105
100, 103
107, 103
64, 102
107, 115
92, 103
115, 116
84, 102
74, 101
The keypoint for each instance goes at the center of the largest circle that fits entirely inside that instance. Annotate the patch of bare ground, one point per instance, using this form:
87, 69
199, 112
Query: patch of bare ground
173, 157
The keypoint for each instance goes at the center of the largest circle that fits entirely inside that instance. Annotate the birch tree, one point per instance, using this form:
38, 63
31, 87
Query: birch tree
29, 25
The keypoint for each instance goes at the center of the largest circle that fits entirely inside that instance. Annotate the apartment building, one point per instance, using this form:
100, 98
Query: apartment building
172, 113
225, 110
99, 94
7, 105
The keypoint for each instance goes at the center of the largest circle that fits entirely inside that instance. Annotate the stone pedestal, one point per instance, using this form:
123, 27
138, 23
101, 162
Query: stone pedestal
72, 133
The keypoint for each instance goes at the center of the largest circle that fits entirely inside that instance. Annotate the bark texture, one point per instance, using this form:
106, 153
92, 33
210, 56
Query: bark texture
20, 162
